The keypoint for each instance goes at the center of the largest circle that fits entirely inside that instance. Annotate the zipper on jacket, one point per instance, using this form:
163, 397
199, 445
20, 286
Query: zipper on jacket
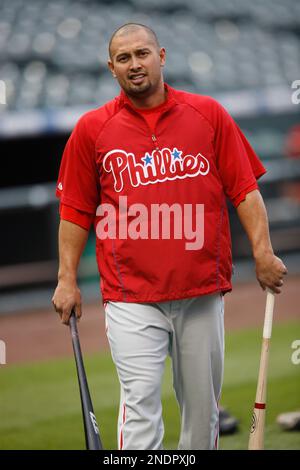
154, 140
153, 136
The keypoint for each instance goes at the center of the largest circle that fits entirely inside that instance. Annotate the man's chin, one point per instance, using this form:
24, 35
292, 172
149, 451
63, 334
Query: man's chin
138, 90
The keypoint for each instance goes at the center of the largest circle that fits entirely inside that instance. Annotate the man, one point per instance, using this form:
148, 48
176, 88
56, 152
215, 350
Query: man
147, 168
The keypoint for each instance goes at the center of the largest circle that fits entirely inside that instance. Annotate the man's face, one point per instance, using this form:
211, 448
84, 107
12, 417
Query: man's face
136, 62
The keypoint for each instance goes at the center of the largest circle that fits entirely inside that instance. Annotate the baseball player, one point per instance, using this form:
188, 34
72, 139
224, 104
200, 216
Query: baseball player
151, 169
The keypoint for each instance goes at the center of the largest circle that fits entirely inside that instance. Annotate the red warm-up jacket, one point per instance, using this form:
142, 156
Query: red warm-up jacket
159, 198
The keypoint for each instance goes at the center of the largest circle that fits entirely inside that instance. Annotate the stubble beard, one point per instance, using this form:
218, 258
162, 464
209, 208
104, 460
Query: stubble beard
139, 90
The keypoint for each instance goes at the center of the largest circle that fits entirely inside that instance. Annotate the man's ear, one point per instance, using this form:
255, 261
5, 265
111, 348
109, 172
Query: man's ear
162, 55
111, 68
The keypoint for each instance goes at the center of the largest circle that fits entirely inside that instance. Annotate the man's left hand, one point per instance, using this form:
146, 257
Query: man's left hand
270, 272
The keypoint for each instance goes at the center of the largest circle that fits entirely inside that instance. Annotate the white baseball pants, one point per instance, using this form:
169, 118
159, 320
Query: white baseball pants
141, 335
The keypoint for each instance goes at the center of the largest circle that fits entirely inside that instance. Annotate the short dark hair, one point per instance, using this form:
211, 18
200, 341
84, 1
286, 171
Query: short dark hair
130, 27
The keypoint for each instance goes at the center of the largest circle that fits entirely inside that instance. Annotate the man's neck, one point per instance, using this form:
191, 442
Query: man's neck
151, 101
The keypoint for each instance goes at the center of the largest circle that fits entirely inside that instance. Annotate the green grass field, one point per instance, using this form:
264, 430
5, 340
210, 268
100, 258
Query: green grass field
40, 407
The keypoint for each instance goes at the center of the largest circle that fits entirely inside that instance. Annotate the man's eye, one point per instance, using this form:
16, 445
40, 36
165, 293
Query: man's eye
122, 59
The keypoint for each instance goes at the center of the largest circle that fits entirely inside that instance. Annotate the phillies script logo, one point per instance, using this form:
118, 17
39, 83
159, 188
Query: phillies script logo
161, 165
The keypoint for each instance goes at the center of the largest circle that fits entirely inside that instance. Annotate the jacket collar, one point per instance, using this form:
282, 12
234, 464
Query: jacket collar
170, 101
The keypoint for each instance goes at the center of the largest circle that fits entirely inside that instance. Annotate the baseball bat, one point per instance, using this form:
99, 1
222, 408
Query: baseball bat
256, 438
91, 430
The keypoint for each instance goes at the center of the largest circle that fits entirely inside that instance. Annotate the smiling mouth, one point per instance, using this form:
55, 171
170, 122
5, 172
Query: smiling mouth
137, 78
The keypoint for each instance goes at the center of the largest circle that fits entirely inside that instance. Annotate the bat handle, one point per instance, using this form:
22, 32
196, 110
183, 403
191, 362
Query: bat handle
267, 331
73, 323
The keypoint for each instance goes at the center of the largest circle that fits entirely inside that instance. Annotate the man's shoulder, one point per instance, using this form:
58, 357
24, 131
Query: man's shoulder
196, 99
101, 114
92, 121
206, 105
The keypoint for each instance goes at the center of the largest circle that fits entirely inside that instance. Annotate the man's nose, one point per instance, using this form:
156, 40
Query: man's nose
135, 65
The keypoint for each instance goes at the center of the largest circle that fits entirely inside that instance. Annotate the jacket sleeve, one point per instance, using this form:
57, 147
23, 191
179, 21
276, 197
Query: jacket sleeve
78, 183
238, 165
81, 218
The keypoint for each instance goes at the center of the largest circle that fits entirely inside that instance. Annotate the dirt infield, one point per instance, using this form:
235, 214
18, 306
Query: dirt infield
38, 335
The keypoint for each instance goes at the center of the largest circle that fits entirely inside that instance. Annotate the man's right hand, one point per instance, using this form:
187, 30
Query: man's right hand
67, 297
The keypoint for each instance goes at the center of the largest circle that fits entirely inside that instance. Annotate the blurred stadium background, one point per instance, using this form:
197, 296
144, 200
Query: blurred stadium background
53, 58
